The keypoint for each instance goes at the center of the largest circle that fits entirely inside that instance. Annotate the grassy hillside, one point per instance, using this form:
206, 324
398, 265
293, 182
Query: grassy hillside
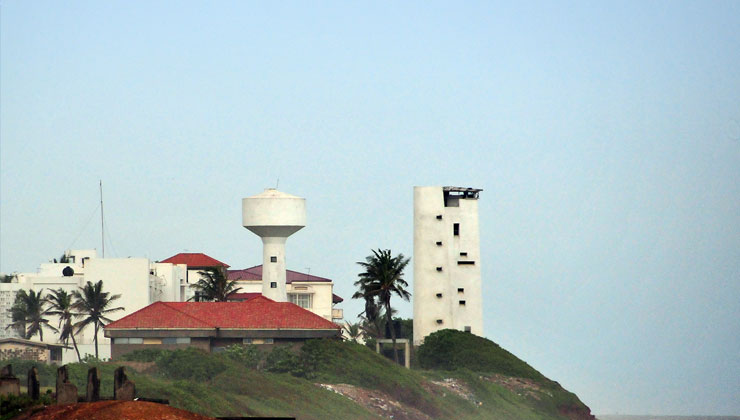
462, 377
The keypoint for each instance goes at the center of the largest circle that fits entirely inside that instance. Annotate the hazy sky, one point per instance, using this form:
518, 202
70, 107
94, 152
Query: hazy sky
606, 139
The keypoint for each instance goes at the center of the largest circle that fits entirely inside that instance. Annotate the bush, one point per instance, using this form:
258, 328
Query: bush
452, 349
190, 363
143, 355
283, 360
247, 355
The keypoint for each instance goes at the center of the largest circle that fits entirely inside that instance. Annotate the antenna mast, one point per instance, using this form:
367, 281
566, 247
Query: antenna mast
102, 224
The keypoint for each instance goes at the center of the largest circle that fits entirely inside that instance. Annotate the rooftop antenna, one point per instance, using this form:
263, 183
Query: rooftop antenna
277, 183
308, 275
102, 224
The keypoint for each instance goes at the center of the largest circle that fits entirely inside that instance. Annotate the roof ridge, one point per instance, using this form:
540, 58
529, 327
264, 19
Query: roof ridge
187, 314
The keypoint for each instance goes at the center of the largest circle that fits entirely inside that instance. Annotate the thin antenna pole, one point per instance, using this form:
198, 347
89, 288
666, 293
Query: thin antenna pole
102, 224
277, 184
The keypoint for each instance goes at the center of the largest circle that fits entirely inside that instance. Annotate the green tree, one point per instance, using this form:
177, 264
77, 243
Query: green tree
28, 313
381, 279
215, 285
93, 304
60, 304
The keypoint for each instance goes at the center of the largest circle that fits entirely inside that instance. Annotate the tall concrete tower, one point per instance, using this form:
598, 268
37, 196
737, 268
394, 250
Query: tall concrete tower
273, 216
447, 280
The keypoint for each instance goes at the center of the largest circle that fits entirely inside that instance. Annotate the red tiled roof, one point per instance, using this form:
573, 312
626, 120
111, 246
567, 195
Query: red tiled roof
259, 313
195, 260
255, 273
336, 299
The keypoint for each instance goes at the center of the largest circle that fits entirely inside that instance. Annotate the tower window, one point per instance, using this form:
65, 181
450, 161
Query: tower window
439, 268
439, 295
462, 303
273, 259
439, 321
466, 263
456, 229
460, 290
439, 217
463, 254
467, 328
273, 285
439, 243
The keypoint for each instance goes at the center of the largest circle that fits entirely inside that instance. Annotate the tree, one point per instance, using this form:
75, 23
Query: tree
28, 313
93, 304
382, 278
60, 304
353, 331
214, 285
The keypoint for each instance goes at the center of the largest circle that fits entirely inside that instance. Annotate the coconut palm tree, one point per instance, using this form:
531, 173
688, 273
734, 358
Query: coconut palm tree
93, 304
382, 278
214, 285
60, 304
28, 313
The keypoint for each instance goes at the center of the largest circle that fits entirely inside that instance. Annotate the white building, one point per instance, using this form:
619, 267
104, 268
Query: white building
447, 279
138, 281
305, 290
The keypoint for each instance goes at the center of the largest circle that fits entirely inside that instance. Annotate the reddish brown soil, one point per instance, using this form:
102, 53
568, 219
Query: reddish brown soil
111, 410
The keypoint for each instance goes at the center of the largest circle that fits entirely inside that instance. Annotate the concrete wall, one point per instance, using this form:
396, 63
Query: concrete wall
118, 350
443, 276
25, 352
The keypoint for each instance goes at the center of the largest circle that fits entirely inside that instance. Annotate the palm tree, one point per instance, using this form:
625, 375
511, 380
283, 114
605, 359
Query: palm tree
61, 305
353, 331
28, 313
93, 304
382, 278
214, 285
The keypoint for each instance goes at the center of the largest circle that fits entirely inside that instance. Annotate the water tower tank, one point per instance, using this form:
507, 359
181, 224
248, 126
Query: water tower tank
273, 216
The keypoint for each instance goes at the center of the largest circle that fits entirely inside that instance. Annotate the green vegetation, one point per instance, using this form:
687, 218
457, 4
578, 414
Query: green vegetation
454, 350
214, 285
488, 382
381, 279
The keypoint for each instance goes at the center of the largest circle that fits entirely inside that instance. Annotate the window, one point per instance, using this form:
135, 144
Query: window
439, 217
439, 243
273, 285
304, 300
439, 321
466, 263
456, 229
273, 259
462, 303
439, 295
439, 268
460, 290
463, 254
135, 340
467, 329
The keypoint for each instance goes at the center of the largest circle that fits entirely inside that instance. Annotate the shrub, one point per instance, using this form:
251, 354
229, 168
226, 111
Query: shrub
247, 355
452, 349
283, 360
190, 363
143, 355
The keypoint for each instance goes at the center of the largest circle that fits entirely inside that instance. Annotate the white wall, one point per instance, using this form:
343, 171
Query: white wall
428, 256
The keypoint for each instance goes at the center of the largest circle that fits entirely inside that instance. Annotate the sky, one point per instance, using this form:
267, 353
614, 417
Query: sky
605, 137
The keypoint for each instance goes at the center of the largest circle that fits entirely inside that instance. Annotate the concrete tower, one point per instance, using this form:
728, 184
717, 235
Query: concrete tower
447, 281
273, 216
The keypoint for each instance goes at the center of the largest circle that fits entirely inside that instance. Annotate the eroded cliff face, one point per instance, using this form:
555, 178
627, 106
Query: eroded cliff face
576, 413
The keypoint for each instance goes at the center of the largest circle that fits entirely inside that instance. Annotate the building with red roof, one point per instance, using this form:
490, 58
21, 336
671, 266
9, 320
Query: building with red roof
195, 260
212, 326
305, 290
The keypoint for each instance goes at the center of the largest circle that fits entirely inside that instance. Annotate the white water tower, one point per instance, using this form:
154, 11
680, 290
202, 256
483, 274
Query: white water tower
273, 216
